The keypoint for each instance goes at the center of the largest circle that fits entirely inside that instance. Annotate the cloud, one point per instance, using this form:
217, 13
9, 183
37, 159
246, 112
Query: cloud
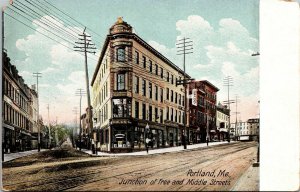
219, 52
61, 68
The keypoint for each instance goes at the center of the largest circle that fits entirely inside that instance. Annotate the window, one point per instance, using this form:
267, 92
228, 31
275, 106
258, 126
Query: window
168, 76
156, 92
150, 90
121, 107
150, 66
179, 117
136, 57
144, 87
172, 114
136, 84
161, 116
175, 115
156, 69
172, 79
136, 109
150, 113
121, 54
175, 97
171, 95
161, 94
167, 93
179, 97
144, 111
144, 61
182, 100
167, 113
176, 82
156, 114
161, 73
121, 81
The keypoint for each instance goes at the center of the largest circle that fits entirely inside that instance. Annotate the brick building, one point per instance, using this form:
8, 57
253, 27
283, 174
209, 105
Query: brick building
19, 110
135, 85
202, 107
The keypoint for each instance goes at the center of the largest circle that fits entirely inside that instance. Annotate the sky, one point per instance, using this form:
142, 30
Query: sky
225, 33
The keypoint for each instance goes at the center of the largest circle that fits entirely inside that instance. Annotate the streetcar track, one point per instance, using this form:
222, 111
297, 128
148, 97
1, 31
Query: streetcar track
73, 181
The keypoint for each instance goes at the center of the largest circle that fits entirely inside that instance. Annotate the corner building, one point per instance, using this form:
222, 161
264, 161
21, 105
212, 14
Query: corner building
134, 85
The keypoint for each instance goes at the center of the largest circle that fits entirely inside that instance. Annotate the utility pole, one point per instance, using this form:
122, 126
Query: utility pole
38, 75
80, 93
228, 82
236, 113
75, 128
49, 127
184, 47
56, 134
85, 46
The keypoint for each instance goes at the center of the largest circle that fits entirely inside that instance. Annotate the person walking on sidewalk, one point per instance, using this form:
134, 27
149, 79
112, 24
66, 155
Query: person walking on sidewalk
207, 138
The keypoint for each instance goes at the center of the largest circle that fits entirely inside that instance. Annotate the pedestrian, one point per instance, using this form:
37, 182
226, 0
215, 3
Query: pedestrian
147, 144
207, 140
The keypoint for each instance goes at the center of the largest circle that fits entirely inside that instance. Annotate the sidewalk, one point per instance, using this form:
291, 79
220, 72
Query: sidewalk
12, 156
249, 181
158, 151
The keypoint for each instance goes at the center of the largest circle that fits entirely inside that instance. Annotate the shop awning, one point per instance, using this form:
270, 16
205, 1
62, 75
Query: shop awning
25, 133
8, 126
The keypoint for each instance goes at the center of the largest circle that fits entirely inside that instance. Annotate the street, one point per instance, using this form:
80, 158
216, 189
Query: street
213, 168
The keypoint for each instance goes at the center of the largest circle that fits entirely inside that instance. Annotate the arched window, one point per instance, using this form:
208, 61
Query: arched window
121, 54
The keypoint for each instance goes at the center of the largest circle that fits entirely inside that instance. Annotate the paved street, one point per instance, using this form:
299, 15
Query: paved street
215, 168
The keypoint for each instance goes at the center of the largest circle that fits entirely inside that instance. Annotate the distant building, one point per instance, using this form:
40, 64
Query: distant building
247, 130
19, 119
135, 85
222, 121
202, 111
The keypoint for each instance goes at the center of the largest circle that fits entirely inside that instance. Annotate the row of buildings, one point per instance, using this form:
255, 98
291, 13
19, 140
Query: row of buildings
134, 87
19, 111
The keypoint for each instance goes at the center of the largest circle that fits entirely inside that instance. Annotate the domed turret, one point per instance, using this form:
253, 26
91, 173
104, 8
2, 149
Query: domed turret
120, 27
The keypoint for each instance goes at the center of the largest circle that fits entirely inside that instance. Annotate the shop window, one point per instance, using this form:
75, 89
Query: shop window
121, 107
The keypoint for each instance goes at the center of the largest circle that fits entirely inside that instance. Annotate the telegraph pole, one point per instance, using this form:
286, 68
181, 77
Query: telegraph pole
184, 47
236, 113
228, 82
74, 129
38, 75
80, 93
85, 46
49, 127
